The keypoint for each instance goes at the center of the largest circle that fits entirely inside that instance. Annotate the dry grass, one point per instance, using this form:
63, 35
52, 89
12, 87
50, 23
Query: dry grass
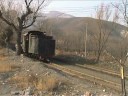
47, 83
24, 81
8, 67
3, 57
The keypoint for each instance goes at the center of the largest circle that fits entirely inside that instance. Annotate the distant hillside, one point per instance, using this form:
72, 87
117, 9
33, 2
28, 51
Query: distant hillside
70, 32
78, 24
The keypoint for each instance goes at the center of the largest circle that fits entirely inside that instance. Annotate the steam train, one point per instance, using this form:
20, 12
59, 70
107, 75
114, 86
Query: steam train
38, 44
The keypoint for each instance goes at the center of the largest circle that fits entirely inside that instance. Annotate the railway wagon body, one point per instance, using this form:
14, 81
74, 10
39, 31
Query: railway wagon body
38, 44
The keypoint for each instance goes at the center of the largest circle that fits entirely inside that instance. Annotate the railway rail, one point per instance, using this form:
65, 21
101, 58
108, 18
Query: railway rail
82, 75
107, 71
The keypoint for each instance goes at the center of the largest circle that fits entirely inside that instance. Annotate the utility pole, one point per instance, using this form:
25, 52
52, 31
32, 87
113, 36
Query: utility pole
85, 51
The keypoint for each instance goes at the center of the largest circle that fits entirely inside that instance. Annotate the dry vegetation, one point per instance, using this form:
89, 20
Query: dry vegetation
22, 80
46, 83
6, 67
3, 57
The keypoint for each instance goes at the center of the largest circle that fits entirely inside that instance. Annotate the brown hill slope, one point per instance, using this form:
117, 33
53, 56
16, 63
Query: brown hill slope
78, 24
70, 32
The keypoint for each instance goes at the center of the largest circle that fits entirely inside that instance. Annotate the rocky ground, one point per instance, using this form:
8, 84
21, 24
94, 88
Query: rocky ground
22, 76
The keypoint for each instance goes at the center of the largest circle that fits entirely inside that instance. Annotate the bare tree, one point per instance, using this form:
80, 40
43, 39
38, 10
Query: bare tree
123, 53
25, 19
123, 10
102, 35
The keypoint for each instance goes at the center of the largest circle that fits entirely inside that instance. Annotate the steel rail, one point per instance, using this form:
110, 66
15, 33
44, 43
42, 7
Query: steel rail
110, 72
84, 76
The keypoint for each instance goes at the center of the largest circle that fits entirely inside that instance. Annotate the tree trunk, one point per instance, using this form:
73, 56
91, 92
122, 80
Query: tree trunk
98, 56
18, 43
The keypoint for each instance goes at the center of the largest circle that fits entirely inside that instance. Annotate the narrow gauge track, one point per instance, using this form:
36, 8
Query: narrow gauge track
85, 76
110, 72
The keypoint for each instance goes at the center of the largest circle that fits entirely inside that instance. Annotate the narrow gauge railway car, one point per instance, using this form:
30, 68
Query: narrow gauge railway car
38, 44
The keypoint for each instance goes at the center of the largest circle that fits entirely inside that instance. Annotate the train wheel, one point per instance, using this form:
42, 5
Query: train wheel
46, 60
40, 58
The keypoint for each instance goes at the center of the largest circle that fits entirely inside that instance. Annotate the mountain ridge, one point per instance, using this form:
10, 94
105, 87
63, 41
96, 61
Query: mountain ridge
56, 14
76, 24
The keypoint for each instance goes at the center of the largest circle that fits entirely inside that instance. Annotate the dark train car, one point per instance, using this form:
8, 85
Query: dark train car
38, 44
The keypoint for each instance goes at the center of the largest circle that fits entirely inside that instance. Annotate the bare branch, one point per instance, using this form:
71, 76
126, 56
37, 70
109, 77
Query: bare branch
39, 7
33, 21
5, 20
28, 3
30, 12
123, 9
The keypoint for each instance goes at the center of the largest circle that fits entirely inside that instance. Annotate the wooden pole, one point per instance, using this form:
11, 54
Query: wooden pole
85, 52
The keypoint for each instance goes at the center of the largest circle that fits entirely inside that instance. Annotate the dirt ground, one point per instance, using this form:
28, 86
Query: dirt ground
22, 76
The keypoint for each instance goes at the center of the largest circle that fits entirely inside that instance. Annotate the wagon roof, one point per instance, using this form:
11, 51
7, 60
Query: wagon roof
35, 32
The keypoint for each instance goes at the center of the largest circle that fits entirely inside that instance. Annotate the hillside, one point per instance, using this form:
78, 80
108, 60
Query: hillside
78, 24
70, 32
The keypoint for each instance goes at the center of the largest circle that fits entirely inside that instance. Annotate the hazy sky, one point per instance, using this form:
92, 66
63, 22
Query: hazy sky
80, 8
